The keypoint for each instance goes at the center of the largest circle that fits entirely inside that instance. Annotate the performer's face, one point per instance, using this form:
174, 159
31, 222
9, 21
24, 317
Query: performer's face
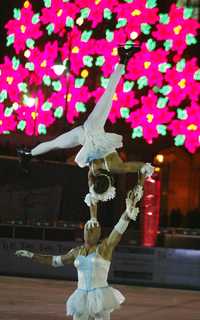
92, 235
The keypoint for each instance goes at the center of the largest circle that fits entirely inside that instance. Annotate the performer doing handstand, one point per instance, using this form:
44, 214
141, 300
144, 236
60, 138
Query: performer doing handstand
98, 147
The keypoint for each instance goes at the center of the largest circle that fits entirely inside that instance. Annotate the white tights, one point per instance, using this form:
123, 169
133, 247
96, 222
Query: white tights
102, 316
96, 119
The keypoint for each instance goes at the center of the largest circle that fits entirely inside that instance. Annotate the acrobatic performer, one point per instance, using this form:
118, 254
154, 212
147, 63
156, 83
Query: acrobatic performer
94, 299
98, 147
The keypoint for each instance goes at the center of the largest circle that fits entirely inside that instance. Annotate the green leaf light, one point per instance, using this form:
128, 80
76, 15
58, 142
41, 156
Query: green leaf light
42, 129
164, 18
21, 125
124, 112
3, 95
121, 22
156, 89
80, 107
162, 67
137, 132
8, 111
190, 39
17, 14
145, 28
58, 113
88, 61
151, 44
47, 80
107, 14
15, 63
165, 90
23, 87
109, 35
100, 61
86, 35
197, 75
151, 4
104, 82
180, 66
47, 3
181, 114
168, 44
85, 13
79, 82
47, 106
57, 86
128, 85
30, 43
36, 18
162, 102
188, 12
30, 66
161, 129
179, 140
10, 40
50, 28
142, 82
69, 22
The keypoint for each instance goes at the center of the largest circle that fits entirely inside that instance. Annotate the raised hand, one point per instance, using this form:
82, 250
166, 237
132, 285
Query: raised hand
92, 223
147, 170
131, 210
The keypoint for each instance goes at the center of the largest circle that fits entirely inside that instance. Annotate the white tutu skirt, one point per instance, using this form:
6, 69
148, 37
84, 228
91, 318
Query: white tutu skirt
97, 145
92, 302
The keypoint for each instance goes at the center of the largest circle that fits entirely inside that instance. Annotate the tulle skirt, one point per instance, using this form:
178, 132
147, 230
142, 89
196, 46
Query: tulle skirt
94, 301
98, 145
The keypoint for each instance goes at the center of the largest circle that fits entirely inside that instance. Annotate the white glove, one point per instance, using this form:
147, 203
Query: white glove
147, 170
138, 193
131, 210
24, 253
90, 200
92, 223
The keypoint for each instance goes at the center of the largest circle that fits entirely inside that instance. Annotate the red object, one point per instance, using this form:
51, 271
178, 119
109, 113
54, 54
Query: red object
149, 219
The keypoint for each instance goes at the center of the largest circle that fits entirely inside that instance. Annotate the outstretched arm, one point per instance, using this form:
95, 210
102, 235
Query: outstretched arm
130, 213
54, 261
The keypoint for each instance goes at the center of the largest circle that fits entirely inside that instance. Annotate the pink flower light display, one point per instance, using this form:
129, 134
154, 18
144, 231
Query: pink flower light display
83, 37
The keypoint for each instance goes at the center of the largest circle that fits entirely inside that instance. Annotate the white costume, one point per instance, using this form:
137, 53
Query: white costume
94, 298
96, 143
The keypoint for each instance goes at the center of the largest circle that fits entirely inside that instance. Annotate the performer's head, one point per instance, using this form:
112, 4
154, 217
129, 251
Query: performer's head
92, 234
103, 185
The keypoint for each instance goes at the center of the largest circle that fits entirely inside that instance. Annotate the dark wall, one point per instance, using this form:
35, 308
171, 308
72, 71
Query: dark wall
50, 192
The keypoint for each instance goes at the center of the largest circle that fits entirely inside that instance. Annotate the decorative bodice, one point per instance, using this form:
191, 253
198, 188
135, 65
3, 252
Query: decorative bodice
92, 271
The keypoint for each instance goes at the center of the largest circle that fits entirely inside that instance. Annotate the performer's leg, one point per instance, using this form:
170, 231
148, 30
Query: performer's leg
67, 140
99, 115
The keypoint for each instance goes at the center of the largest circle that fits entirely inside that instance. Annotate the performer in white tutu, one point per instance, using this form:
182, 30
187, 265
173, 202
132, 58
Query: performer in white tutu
98, 147
93, 299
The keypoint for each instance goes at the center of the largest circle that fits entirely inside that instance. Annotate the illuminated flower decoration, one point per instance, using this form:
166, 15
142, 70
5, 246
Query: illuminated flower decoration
97, 9
186, 129
43, 62
12, 77
147, 64
178, 29
24, 29
7, 120
182, 82
135, 16
35, 118
58, 15
150, 120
